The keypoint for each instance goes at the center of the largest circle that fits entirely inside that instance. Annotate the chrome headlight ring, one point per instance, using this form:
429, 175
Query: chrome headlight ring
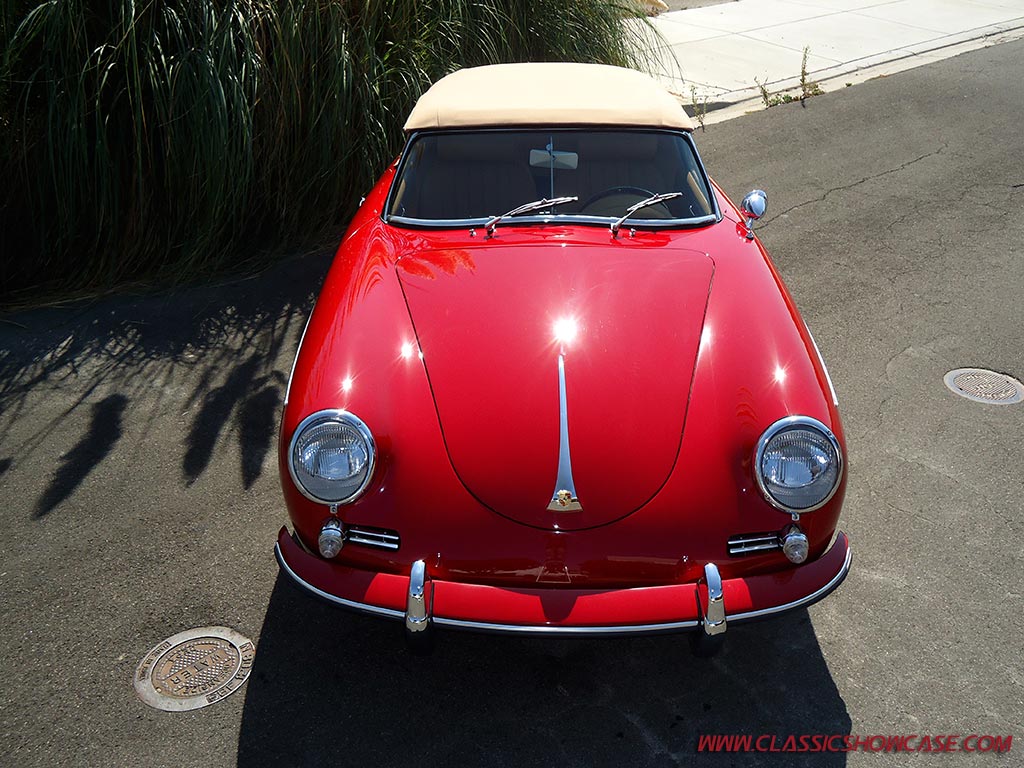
822, 438
352, 444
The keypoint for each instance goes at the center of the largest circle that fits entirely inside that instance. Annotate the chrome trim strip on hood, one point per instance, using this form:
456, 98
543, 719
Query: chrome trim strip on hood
564, 498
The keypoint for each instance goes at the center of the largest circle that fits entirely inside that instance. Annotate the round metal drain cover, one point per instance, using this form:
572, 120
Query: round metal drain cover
195, 668
985, 386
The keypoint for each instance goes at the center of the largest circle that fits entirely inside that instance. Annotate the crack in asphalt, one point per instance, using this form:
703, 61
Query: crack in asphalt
866, 179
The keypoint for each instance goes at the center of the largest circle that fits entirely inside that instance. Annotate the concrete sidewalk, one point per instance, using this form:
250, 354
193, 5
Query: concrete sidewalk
713, 54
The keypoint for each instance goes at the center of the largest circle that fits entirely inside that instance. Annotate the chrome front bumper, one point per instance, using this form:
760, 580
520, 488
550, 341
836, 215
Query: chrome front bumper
709, 605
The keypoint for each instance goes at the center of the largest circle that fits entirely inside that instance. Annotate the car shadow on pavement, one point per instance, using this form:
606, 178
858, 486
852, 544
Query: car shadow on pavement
332, 687
212, 358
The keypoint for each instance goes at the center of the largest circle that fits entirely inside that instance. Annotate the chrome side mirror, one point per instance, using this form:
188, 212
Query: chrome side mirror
754, 204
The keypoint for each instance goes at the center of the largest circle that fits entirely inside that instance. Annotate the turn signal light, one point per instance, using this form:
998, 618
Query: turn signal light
794, 544
332, 538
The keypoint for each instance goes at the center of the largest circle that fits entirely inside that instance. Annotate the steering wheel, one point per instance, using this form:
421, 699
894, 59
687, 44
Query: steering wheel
617, 199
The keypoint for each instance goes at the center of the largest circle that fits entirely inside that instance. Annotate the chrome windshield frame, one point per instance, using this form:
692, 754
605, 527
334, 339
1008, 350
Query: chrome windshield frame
557, 219
598, 221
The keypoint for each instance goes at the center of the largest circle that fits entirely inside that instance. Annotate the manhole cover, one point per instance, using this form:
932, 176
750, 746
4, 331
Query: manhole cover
194, 669
985, 386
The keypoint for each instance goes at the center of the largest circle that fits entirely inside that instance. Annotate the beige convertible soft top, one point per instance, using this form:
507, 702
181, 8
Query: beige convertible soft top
547, 94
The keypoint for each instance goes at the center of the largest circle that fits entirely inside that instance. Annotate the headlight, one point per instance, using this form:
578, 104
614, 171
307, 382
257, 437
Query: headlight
798, 464
331, 457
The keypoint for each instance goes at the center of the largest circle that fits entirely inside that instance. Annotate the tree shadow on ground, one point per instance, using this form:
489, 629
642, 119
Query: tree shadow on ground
218, 354
104, 432
256, 421
329, 686
254, 400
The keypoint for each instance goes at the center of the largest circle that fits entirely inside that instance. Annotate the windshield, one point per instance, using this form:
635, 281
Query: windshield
453, 177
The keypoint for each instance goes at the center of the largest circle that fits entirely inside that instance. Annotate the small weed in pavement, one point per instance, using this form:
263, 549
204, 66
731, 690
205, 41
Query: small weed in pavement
808, 88
700, 108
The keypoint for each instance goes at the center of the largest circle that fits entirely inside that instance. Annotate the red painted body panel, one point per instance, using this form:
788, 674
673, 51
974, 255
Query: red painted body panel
486, 330
466, 351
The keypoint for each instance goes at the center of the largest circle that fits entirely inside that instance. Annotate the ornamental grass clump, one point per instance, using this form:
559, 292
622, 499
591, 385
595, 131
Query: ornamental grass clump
157, 140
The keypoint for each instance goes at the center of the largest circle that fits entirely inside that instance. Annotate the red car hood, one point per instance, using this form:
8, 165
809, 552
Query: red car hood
485, 320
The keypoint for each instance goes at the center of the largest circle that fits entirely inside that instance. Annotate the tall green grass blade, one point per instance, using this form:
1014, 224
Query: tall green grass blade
168, 139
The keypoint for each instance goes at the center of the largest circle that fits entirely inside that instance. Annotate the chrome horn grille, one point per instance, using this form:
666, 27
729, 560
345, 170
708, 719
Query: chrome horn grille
372, 537
751, 543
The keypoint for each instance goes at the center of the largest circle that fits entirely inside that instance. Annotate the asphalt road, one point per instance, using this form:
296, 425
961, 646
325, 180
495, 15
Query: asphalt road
140, 496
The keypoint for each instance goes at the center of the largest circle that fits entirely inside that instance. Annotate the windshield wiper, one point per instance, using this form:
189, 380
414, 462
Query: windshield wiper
642, 204
536, 205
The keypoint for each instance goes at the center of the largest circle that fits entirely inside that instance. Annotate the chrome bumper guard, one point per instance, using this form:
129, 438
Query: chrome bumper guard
417, 606
712, 611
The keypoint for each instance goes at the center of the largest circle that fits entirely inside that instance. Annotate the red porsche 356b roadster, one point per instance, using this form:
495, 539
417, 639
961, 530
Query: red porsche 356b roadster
553, 383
